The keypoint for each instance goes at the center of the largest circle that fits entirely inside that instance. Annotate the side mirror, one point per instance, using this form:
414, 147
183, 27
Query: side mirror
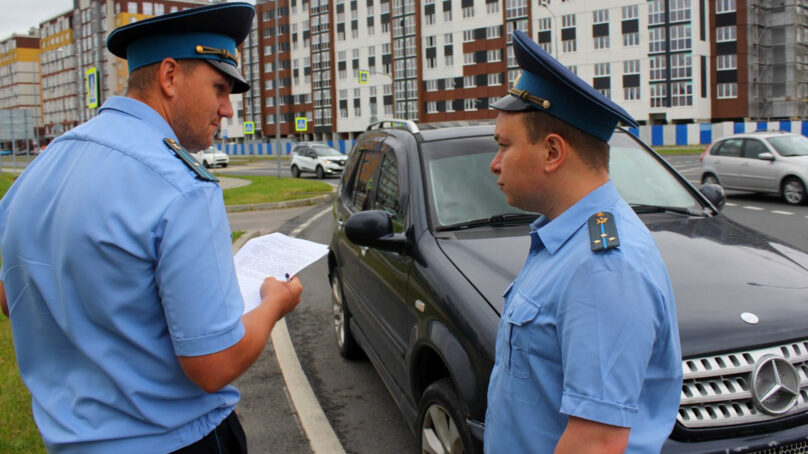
715, 194
765, 156
374, 229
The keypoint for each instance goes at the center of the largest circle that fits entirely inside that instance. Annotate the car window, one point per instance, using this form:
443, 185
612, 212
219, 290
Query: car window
460, 185
790, 145
387, 193
752, 148
641, 179
729, 147
364, 180
325, 151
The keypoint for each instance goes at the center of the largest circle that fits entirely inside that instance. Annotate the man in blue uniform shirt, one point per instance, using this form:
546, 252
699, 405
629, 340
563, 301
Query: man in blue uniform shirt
117, 270
587, 353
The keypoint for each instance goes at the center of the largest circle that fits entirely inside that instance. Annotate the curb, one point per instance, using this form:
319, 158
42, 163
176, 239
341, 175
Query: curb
283, 204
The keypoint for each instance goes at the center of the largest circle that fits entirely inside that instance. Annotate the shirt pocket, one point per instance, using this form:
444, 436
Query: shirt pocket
520, 315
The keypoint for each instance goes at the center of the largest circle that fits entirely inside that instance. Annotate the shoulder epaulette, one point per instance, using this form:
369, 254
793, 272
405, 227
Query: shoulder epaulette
602, 232
189, 160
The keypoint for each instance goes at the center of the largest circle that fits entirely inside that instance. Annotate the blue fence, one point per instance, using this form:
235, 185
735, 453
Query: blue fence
655, 135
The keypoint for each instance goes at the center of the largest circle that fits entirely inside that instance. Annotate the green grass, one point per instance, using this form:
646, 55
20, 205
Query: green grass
17, 430
237, 234
684, 149
265, 189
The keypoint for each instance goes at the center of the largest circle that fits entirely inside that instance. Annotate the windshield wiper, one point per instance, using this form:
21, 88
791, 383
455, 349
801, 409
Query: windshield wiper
495, 220
641, 208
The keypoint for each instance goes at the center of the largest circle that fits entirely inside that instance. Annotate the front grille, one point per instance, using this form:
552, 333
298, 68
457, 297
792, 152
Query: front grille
800, 447
717, 390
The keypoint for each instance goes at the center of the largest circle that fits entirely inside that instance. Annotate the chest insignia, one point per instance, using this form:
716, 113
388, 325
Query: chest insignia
602, 232
183, 155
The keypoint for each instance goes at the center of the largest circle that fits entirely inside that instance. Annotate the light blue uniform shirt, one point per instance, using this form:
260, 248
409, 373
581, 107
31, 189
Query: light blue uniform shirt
116, 260
586, 334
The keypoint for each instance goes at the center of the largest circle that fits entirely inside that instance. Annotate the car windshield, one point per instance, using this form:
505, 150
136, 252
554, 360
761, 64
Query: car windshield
790, 145
462, 189
323, 150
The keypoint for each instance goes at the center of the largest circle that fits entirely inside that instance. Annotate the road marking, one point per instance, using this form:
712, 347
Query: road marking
731, 204
322, 438
688, 169
753, 208
787, 213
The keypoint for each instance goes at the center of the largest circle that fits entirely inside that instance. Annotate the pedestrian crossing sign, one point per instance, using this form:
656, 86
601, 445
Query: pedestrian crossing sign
363, 77
249, 127
301, 123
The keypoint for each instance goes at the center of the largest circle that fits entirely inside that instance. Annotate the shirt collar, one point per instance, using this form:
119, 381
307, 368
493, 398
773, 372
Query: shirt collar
141, 111
555, 233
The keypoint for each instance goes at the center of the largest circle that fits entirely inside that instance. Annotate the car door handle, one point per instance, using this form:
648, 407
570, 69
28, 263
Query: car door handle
364, 250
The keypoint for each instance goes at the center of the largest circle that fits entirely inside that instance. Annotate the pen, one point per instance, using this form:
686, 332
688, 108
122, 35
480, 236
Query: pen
287, 277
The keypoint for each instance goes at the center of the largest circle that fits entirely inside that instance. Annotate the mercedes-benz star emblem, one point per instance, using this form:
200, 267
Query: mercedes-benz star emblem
775, 385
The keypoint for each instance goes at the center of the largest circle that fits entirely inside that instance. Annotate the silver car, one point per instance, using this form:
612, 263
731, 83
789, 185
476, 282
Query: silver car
769, 162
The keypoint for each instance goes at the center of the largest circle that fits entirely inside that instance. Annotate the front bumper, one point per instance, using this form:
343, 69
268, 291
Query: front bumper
791, 441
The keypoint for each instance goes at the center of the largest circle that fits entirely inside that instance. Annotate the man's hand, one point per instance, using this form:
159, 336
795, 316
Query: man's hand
284, 295
212, 372
585, 436
3, 300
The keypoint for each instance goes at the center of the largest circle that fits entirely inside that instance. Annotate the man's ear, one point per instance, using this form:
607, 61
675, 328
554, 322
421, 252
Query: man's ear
168, 76
556, 150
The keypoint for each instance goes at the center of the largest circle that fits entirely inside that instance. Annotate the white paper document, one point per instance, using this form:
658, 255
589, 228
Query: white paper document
275, 255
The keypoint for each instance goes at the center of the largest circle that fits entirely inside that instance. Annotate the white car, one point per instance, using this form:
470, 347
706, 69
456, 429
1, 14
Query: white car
317, 158
770, 162
211, 157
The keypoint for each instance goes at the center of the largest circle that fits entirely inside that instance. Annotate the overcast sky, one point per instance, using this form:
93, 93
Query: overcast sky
17, 16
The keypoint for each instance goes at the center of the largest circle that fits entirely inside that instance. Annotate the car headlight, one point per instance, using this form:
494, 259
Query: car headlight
326, 161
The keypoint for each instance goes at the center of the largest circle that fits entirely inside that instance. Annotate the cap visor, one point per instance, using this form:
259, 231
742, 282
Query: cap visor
239, 84
511, 103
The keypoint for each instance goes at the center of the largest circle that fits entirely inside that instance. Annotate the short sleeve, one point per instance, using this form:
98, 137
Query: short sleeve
607, 326
195, 274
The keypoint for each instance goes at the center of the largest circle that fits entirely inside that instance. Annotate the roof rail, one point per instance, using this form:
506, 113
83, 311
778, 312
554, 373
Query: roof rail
407, 125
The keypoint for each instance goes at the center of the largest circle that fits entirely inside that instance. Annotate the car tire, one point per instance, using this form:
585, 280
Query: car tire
224, 165
205, 164
320, 172
441, 422
793, 191
709, 178
295, 172
346, 344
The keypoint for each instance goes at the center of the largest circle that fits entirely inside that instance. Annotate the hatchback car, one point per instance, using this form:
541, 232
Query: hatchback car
425, 244
768, 162
211, 157
316, 158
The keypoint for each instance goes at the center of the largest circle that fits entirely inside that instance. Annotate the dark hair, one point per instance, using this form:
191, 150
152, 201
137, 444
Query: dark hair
593, 151
142, 78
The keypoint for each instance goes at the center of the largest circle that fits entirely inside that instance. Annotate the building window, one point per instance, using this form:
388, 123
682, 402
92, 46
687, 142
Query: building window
468, 82
726, 91
658, 67
494, 55
724, 62
468, 36
492, 8
568, 21
468, 58
681, 94
679, 10
631, 12
681, 66
602, 42
680, 37
492, 32
724, 6
432, 107
573, 69
656, 40
449, 60
432, 85
515, 8
631, 93
631, 67
470, 104
600, 16
568, 45
727, 33
447, 38
495, 79
468, 11
603, 69
631, 39
656, 12
659, 95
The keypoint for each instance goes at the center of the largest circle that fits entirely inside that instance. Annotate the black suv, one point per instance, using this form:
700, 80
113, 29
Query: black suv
425, 244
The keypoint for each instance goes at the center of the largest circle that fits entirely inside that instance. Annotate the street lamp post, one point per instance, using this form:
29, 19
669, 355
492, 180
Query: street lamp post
555, 23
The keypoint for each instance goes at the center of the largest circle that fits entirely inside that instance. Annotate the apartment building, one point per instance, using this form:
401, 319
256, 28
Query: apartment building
19, 76
760, 52
59, 76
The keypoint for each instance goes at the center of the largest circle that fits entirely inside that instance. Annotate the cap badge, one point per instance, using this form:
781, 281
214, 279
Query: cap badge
525, 96
224, 53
